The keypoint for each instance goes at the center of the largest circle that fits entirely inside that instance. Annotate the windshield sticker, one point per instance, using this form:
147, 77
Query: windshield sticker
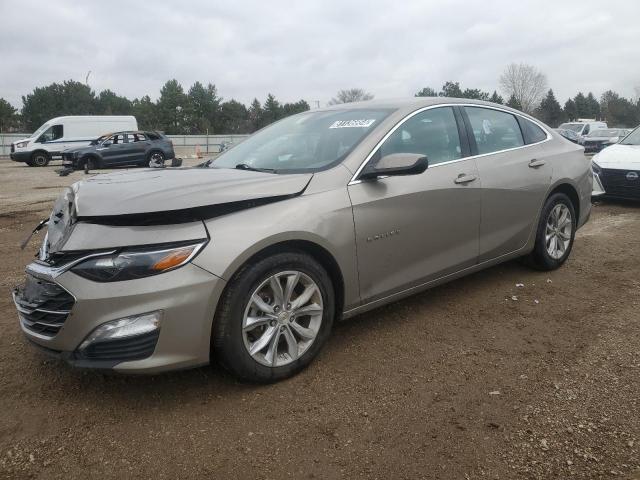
363, 123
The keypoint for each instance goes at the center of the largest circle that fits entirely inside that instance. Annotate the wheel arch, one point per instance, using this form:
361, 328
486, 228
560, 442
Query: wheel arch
570, 191
316, 251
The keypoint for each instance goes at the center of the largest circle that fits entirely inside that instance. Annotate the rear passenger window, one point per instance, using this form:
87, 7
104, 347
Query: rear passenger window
494, 130
433, 133
532, 132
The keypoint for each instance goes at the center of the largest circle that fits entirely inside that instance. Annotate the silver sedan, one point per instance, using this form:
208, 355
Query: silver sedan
250, 258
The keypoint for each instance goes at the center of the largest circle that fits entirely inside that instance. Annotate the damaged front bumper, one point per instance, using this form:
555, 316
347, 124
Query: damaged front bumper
63, 314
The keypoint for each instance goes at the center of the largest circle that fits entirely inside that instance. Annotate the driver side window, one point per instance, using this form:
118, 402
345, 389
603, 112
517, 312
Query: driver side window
433, 133
52, 133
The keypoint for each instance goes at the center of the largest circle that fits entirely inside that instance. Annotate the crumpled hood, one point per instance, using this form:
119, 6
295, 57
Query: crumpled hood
623, 157
84, 148
165, 190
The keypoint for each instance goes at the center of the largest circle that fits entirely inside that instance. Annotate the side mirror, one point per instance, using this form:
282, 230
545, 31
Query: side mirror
106, 143
396, 164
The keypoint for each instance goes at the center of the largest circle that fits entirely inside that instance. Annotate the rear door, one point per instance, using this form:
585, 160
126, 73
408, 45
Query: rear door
138, 143
515, 174
416, 228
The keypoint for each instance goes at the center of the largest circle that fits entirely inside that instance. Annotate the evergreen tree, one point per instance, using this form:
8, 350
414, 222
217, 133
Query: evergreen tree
203, 108
255, 116
514, 103
55, 100
582, 109
171, 108
495, 98
570, 110
8, 117
451, 89
593, 107
233, 118
550, 111
108, 103
146, 113
427, 92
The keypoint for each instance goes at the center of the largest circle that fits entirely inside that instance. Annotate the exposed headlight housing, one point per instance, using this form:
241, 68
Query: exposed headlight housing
596, 168
133, 263
22, 144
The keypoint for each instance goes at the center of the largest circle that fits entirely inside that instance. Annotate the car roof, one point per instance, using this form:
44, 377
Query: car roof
410, 104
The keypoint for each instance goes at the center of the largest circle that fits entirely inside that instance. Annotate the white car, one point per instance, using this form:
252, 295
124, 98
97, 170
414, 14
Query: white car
61, 133
618, 167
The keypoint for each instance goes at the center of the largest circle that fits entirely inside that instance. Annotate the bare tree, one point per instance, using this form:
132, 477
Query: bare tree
350, 95
526, 83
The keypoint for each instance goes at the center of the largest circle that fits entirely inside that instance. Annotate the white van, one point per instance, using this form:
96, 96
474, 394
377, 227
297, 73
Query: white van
583, 126
61, 133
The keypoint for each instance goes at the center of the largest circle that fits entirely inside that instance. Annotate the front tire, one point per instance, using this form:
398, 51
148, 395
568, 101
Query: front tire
274, 317
155, 159
39, 159
555, 234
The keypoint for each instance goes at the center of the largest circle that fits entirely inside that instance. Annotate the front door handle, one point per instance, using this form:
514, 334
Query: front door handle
464, 178
536, 163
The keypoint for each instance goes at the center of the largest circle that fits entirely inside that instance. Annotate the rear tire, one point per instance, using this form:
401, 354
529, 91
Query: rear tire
555, 233
294, 328
39, 159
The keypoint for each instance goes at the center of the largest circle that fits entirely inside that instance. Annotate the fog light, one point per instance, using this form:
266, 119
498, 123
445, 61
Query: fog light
124, 327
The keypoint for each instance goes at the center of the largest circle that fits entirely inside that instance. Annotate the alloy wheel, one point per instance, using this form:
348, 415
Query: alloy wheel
558, 231
282, 318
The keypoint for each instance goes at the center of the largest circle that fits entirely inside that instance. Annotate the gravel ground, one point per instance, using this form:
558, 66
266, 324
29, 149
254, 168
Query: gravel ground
479, 378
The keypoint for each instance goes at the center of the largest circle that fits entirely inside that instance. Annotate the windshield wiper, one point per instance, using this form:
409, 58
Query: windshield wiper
246, 166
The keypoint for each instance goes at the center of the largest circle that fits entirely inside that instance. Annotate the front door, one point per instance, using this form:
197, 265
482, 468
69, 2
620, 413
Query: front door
414, 229
113, 153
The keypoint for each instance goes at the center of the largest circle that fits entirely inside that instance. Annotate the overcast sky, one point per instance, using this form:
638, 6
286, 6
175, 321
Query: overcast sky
310, 49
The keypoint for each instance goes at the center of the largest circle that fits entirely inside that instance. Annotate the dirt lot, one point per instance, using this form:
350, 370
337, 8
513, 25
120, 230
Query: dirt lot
479, 378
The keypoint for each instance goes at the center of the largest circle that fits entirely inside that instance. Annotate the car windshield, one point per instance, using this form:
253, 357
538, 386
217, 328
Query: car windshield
99, 140
633, 138
39, 131
604, 132
575, 127
306, 142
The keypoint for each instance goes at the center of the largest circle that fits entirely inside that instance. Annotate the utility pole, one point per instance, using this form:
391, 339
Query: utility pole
86, 79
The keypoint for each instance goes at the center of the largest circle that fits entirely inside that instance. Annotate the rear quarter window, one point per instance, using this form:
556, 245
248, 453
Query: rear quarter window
531, 132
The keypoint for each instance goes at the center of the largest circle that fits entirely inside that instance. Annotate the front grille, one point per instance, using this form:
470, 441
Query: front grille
121, 350
616, 183
42, 306
593, 146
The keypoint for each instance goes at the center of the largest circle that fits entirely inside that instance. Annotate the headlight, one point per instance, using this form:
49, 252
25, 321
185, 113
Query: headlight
22, 144
596, 168
133, 263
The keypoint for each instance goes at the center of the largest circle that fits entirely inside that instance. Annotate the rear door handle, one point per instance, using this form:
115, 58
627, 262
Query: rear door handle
464, 178
536, 163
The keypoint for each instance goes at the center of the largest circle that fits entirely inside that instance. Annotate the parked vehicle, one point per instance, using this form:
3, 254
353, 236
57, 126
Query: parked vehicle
149, 149
568, 134
601, 138
583, 127
320, 216
618, 167
61, 133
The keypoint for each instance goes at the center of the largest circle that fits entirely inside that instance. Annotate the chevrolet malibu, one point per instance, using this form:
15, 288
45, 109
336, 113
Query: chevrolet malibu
250, 258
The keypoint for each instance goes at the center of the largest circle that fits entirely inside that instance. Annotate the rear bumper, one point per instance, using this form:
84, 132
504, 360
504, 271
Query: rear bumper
20, 156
